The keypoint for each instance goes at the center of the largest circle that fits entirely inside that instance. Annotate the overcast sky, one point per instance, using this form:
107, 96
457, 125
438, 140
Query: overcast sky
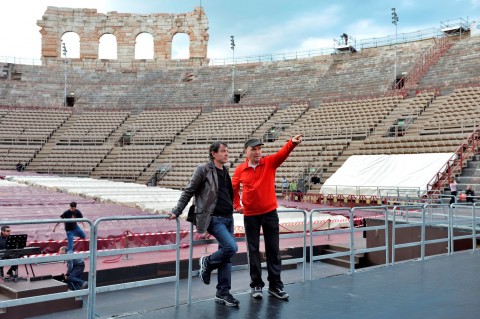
259, 27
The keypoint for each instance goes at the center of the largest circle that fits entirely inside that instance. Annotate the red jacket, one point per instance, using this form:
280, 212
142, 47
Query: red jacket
258, 193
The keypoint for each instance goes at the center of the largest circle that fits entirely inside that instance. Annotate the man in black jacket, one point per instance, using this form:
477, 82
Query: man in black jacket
5, 232
212, 187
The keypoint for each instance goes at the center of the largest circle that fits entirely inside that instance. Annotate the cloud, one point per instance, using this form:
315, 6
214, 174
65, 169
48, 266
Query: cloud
302, 31
20, 35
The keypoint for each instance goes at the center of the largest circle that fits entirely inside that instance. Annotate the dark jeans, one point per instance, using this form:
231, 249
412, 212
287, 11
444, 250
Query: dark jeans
452, 199
74, 277
13, 269
222, 229
269, 223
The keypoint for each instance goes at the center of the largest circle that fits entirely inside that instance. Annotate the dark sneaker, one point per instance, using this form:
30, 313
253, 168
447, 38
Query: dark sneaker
227, 300
257, 292
203, 273
277, 292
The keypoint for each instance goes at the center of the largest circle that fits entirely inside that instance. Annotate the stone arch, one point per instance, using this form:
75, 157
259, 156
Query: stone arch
143, 43
71, 40
174, 48
146, 29
90, 25
95, 47
107, 50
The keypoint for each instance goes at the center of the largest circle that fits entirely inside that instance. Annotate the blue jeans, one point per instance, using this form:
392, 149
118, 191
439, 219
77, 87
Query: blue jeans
222, 229
77, 232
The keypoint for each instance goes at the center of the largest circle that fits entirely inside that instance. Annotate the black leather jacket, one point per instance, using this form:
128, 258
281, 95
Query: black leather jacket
204, 186
3, 242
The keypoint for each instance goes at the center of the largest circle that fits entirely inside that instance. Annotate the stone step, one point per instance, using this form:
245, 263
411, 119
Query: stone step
473, 164
471, 171
23, 289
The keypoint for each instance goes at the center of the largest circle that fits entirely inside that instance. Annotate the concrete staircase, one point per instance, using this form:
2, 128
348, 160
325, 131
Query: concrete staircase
344, 261
470, 176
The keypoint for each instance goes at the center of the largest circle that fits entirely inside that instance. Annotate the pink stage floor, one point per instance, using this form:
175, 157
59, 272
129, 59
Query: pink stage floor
31, 203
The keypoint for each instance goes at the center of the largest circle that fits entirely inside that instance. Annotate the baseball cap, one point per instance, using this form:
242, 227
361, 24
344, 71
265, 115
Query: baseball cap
253, 142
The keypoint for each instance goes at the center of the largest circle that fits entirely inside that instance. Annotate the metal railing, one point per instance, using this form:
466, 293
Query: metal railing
93, 253
434, 218
464, 222
453, 217
351, 231
290, 261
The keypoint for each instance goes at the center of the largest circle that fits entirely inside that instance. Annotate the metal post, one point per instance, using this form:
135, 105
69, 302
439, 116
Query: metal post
232, 42
64, 48
394, 21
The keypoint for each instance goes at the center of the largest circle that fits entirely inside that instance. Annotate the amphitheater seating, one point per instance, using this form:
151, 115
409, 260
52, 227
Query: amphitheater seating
310, 158
30, 125
291, 114
418, 104
93, 128
445, 143
318, 78
73, 160
185, 158
344, 104
459, 112
345, 119
10, 155
131, 161
231, 124
458, 66
159, 127
404, 115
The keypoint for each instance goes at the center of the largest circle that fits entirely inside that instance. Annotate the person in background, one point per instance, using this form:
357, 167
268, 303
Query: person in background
212, 187
453, 190
470, 194
71, 228
293, 186
5, 233
258, 203
20, 167
285, 185
75, 268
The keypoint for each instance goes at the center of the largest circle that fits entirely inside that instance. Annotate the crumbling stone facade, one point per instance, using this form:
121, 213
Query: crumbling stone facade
91, 25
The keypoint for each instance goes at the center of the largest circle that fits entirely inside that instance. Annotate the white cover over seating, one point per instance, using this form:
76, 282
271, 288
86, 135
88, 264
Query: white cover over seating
368, 174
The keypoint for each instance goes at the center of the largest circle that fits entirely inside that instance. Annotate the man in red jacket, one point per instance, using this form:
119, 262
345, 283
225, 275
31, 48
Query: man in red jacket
259, 200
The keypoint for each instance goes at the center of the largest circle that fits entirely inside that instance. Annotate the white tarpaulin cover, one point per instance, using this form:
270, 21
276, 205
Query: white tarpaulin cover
152, 199
365, 174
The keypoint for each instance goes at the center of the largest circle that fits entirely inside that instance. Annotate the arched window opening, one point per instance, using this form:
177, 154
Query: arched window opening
144, 46
70, 45
181, 46
107, 48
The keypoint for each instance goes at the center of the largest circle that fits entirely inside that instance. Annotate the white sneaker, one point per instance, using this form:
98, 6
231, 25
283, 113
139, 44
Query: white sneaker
257, 292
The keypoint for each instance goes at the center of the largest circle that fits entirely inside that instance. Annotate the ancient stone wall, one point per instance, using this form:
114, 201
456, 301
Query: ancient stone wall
91, 25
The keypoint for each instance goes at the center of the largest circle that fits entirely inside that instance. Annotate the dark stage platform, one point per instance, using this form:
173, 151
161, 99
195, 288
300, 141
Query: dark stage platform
442, 287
